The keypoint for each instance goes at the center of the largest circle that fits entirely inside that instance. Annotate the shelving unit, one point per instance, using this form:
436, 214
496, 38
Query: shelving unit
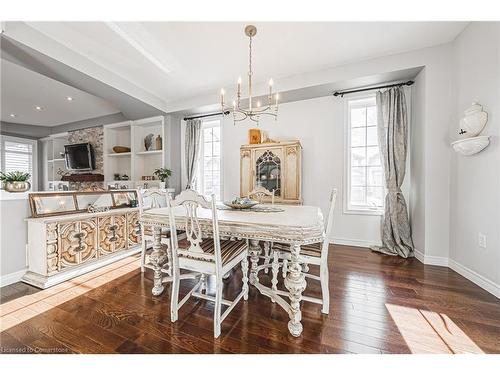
52, 150
139, 162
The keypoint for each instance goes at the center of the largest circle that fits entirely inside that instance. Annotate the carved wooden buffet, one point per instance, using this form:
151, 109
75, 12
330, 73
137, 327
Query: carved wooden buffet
63, 246
274, 166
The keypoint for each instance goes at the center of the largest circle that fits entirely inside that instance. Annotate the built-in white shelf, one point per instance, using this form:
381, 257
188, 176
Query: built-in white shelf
117, 154
52, 147
138, 162
153, 152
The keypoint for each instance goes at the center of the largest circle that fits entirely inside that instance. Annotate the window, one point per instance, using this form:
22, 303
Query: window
364, 173
19, 154
209, 179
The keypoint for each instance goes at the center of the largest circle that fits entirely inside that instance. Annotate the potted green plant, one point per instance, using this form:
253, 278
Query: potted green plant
163, 174
15, 182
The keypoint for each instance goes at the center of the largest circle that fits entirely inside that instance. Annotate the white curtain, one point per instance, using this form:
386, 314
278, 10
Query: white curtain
192, 150
393, 142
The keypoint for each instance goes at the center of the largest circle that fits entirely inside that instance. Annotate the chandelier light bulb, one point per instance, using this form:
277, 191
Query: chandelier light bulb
271, 82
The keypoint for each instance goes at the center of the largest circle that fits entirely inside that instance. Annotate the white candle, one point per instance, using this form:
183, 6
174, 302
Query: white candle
277, 97
222, 97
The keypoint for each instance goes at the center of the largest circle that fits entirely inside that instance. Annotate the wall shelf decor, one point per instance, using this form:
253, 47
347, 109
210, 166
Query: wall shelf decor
471, 125
471, 146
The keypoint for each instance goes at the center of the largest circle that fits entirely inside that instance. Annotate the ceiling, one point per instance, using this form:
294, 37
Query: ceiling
176, 60
22, 90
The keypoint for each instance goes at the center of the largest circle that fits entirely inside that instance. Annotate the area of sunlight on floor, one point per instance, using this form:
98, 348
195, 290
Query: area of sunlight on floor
26, 307
430, 332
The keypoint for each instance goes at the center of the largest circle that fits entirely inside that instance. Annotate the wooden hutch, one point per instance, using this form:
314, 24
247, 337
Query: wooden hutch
274, 166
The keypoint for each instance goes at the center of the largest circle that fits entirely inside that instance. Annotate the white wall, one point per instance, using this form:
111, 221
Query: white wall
475, 185
319, 125
417, 162
14, 209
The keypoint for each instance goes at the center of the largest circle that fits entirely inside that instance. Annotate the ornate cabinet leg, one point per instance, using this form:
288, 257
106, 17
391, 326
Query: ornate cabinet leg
295, 283
275, 268
244, 270
254, 250
267, 250
157, 258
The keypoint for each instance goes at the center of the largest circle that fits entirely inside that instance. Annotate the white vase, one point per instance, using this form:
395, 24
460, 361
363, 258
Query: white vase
162, 185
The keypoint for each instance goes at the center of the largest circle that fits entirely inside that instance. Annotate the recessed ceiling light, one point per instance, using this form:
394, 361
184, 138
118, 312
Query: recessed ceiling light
38, 108
69, 98
12, 115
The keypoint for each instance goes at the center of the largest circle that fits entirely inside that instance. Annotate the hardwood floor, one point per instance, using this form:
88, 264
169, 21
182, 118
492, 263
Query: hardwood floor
379, 304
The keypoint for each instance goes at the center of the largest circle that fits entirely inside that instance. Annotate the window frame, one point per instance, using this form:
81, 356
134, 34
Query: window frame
34, 156
348, 209
200, 182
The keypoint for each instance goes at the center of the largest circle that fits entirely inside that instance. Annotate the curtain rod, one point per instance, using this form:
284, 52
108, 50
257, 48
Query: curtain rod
206, 115
342, 93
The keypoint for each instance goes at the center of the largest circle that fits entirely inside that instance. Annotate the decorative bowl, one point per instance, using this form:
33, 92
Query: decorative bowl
241, 203
121, 149
17, 186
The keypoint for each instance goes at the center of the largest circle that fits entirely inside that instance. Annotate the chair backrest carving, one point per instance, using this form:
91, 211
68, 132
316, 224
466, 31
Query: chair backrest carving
152, 198
259, 193
189, 201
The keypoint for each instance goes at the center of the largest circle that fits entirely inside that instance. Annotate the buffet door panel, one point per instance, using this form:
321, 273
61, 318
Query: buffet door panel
112, 234
77, 242
133, 229
268, 164
121, 232
89, 230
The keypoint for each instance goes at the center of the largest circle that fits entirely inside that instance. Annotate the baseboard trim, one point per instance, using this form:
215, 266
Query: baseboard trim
430, 259
419, 255
466, 272
476, 278
351, 242
12, 278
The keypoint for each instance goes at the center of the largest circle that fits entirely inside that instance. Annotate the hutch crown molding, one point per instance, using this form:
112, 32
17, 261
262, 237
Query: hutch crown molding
66, 239
274, 166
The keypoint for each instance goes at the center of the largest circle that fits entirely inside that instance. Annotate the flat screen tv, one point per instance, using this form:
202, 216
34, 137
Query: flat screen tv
79, 157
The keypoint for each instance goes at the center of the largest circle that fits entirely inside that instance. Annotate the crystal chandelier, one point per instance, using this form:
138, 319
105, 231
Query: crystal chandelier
254, 110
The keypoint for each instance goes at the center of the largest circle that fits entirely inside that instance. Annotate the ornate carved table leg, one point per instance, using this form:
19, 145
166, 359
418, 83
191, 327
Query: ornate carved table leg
275, 268
267, 254
295, 283
157, 258
254, 250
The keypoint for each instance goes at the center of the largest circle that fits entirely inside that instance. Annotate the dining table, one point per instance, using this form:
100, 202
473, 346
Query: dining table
293, 225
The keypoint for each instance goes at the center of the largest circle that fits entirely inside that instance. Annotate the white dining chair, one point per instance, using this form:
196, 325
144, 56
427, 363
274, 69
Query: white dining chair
203, 251
149, 199
316, 253
259, 193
